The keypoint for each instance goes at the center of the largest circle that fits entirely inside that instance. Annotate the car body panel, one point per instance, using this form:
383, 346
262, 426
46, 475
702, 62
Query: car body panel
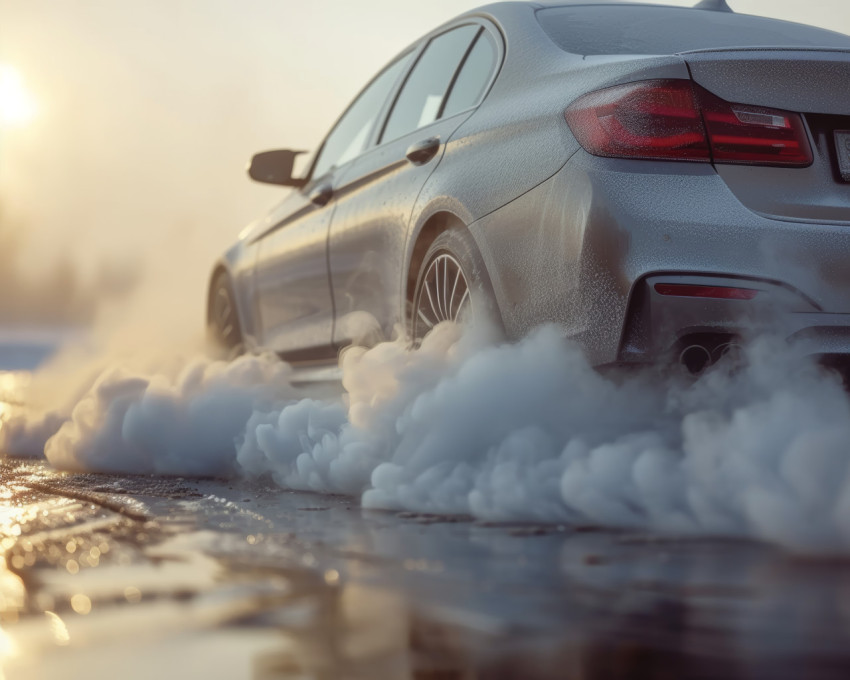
809, 81
293, 295
369, 230
812, 194
594, 231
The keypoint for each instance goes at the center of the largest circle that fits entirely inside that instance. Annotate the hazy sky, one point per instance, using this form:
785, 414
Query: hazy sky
147, 110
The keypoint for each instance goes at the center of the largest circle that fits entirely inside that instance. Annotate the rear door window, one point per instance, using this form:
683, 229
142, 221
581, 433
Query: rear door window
419, 102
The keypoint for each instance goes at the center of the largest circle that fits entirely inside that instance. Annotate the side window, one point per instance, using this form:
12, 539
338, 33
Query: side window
474, 76
351, 134
419, 101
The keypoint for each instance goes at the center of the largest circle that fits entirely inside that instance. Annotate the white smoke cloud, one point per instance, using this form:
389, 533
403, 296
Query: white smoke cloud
149, 424
531, 432
25, 433
524, 432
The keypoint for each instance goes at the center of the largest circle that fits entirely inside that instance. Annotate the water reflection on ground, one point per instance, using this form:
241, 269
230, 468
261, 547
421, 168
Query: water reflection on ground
142, 576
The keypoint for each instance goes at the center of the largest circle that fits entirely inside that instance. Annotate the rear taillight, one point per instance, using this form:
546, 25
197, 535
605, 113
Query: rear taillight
752, 134
650, 119
679, 120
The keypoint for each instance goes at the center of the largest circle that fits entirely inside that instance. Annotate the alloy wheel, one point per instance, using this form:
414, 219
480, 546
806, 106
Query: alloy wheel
223, 313
443, 295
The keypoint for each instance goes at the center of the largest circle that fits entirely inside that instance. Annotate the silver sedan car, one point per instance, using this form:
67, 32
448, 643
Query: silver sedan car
659, 181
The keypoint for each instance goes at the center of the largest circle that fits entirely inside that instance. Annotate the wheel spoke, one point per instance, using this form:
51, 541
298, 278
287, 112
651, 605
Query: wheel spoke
224, 313
431, 300
425, 318
454, 290
441, 314
448, 311
462, 301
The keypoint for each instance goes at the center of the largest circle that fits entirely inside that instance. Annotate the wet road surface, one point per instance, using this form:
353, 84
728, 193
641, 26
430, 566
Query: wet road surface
216, 578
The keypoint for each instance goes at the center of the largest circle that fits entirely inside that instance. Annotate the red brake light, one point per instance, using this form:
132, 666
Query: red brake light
679, 120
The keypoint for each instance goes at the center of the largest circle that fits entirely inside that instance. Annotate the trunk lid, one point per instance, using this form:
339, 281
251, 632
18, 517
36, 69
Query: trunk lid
811, 82
807, 81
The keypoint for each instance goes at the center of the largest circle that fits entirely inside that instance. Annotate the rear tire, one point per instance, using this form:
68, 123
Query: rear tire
222, 318
452, 285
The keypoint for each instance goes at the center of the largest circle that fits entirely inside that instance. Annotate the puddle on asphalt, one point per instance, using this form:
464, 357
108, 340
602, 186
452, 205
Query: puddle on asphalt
88, 592
175, 611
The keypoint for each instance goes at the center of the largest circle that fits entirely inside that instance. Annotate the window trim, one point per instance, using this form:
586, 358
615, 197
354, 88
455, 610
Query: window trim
483, 34
456, 74
498, 43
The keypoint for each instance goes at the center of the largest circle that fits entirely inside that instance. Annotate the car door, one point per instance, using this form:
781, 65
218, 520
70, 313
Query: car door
293, 294
377, 195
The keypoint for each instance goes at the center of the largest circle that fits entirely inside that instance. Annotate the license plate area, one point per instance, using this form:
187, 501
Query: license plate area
842, 150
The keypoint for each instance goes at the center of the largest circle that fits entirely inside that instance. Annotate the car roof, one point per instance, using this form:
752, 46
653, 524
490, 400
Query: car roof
541, 4
507, 8
565, 3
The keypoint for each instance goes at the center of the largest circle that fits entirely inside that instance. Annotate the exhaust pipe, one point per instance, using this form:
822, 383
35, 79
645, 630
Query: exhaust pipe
695, 358
728, 350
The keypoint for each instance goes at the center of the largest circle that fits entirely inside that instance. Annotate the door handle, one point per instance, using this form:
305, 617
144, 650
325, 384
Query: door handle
322, 194
423, 151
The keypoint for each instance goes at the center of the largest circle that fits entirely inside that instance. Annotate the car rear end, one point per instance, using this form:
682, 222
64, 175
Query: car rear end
719, 204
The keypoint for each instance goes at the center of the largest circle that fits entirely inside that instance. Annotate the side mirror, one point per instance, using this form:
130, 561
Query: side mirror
275, 167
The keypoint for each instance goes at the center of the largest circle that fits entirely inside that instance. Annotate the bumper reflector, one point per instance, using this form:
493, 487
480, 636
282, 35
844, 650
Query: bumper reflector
718, 292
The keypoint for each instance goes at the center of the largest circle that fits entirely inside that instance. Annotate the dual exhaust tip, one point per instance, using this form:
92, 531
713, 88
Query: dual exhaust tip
696, 358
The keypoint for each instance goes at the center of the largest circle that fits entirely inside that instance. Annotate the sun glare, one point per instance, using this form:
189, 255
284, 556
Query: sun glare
16, 104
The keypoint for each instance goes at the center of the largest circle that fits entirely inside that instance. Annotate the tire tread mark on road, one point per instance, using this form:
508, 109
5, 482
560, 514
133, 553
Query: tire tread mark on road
102, 500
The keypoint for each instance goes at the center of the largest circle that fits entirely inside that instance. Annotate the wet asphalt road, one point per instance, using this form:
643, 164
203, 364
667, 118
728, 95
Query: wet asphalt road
216, 578
142, 577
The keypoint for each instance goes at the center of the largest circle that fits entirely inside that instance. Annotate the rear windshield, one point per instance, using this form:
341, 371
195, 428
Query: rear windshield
622, 29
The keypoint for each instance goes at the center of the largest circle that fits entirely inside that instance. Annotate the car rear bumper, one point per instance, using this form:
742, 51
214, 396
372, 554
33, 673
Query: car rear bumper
582, 248
658, 324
